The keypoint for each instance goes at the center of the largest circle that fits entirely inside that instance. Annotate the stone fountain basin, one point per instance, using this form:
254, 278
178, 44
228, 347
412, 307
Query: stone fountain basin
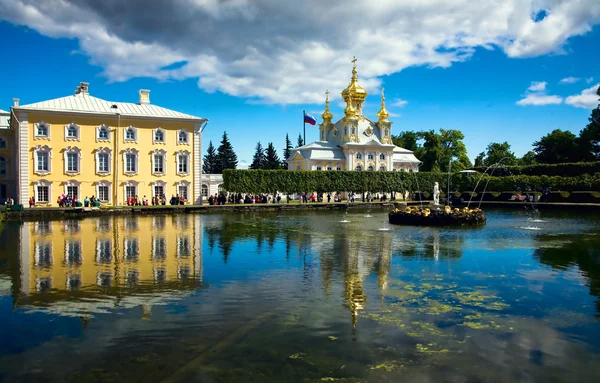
438, 218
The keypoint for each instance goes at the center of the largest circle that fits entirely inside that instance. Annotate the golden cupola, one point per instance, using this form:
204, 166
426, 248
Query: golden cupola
327, 116
350, 112
354, 93
383, 113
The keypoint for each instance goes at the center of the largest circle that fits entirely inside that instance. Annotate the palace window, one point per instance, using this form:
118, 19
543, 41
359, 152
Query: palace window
72, 131
329, 167
182, 137
103, 160
158, 162
371, 168
42, 191
159, 248
358, 156
183, 162
339, 168
130, 190
130, 161
102, 133
42, 130
3, 144
132, 249
183, 189
358, 168
382, 156
319, 168
103, 191
3, 166
159, 136
72, 160
370, 156
43, 157
72, 188
159, 188
73, 253
204, 190
130, 134
382, 168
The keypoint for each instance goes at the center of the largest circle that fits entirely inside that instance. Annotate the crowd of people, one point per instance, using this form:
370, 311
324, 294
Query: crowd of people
156, 200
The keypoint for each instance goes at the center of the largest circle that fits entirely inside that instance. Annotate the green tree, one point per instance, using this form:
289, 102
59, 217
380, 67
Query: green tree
528, 159
407, 140
589, 137
300, 141
272, 160
496, 152
556, 147
453, 148
209, 164
259, 160
287, 152
431, 152
226, 157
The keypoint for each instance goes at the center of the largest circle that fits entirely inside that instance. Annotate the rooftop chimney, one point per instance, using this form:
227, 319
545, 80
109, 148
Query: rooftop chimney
144, 97
82, 88
15, 102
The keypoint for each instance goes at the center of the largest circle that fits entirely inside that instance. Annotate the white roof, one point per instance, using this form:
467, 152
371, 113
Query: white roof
320, 150
407, 156
2, 111
84, 103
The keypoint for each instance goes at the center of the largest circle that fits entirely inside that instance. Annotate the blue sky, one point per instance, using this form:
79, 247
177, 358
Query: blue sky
470, 83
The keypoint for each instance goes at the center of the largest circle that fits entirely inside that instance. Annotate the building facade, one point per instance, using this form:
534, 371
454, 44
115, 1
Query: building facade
354, 142
7, 165
82, 146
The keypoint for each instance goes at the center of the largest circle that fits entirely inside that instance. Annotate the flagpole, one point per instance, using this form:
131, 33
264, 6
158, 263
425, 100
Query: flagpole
303, 119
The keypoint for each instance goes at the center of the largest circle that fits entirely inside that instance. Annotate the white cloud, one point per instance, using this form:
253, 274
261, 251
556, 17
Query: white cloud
399, 103
587, 99
539, 99
569, 80
537, 86
589, 80
287, 53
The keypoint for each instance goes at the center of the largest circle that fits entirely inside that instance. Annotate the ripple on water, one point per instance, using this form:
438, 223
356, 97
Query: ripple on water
530, 228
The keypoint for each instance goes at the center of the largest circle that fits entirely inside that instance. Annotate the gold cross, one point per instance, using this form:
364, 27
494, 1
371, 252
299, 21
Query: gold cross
327, 94
354, 60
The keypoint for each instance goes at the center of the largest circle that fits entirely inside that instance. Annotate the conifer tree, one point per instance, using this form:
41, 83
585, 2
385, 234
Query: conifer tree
259, 160
272, 159
226, 157
300, 140
287, 152
210, 160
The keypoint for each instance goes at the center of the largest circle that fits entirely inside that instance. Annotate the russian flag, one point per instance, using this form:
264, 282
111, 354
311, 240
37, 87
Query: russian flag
309, 119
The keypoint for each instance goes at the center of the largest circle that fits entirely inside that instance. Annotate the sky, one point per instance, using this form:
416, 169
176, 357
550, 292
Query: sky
498, 70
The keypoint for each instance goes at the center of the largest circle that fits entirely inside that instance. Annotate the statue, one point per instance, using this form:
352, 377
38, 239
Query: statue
436, 194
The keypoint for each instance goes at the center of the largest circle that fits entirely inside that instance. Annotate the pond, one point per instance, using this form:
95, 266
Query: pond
301, 296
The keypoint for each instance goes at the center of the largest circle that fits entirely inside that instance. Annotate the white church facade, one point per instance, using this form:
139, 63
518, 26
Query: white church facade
354, 142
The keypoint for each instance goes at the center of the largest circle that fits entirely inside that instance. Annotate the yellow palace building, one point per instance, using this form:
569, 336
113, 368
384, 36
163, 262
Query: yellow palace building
85, 146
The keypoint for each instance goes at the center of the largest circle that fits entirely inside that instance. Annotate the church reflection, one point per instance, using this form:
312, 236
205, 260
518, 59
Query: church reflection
74, 266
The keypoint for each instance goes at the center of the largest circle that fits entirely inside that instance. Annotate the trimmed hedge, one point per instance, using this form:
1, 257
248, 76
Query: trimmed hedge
289, 182
564, 170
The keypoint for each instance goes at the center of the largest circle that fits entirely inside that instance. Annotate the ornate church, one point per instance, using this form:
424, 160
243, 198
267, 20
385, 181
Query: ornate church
354, 142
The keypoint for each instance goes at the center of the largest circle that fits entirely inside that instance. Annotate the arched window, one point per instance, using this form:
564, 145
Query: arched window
72, 131
103, 161
329, 167
72, 160
42, 130
182, 137
358, 168
183, 189
102, 133
183, 162
130, 161
3, 144
339, 168
358, 156
159, 159
103, 191
159, 188
43, 160
3, 167
319, 168
370, 156
43, 191
130, 134
371, 168
220, 188
204, 191
382, 168
382, 156
159, 136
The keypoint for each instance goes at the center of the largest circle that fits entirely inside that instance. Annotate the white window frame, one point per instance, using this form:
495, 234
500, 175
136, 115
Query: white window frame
329, 167
104, 184
135, 134
186, 154
36, 151
339, 168
135, 152
72, 150
187, 137
99, 129
4, 164
164, 135
130, 183
358, 156
36, 127
127, 248
163, 154
3, 143
382, 156
186, 185
77, 136
162, 184
370, 156
319, 168
43, 183
98, 248
205, 190
76, 184
37, 251
69, 248
103, 151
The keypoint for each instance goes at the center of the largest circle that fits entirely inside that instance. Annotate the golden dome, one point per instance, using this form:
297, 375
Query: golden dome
354, 90
350, 111
383, 113
327, 116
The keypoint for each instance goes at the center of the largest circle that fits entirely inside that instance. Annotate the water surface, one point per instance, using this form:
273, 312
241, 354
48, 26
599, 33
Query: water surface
301, 296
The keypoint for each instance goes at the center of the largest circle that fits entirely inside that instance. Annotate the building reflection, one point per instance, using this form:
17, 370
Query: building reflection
76, 266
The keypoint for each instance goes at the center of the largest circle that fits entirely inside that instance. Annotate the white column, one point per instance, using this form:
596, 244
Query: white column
197, 158
23, 159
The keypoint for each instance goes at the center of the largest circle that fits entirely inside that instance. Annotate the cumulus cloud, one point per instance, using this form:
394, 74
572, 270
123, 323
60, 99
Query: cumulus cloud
536, 95
587, 99
399, 103
589, 80
569, 80
284, 52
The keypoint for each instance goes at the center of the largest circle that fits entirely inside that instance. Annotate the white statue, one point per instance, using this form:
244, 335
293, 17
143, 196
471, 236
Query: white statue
436, 194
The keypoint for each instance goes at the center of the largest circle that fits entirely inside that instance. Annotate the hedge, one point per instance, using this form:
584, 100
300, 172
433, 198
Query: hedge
289, 182
564, 170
